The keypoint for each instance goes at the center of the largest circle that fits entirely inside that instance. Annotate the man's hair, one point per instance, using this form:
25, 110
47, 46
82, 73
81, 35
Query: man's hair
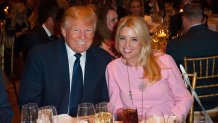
83, 13
193, 11
53, 11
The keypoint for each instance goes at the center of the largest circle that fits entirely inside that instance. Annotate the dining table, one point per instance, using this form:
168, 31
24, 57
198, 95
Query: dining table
65, 118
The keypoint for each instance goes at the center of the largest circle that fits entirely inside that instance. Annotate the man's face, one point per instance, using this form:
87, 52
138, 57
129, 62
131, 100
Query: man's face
78, 35
135, 8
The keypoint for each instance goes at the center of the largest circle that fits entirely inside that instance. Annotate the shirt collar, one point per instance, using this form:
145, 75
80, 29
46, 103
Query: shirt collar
70, 53
46, 30
195, 24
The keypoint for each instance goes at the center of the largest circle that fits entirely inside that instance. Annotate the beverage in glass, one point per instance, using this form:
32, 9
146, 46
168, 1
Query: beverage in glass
47, 114
86, 113
103, 113
130, 115
29, 113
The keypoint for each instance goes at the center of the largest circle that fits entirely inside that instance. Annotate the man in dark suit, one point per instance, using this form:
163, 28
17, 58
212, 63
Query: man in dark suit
45, 32
48, 76
197, 41
5, 108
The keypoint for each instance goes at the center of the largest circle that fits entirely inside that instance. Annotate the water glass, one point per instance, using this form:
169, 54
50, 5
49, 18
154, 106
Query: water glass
86, 113
47, 114
103, 113
29, 113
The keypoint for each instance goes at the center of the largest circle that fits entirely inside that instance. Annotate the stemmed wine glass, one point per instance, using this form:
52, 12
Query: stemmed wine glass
47, 114
103, 113
29, 113
86, 113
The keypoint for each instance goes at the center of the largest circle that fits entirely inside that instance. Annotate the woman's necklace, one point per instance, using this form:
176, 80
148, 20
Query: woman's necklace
141, 86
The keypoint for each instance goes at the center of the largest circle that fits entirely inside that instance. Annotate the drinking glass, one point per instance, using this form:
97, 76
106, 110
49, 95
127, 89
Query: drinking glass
103, 113
47, 114
86, 113
29, 113
130, 114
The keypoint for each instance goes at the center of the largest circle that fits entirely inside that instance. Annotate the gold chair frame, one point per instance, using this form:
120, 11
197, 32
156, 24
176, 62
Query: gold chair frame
205, 68
190, 117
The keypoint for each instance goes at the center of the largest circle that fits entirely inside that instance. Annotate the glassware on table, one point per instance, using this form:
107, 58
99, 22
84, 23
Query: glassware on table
103, 113
162, 118
29, 113
86, 113
130, 114
47, 114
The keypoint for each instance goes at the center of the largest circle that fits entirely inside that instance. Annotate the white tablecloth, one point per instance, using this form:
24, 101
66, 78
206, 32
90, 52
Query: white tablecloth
65, 118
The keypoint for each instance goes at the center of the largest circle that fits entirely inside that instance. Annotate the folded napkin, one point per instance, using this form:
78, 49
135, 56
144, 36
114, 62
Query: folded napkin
65, 118
158, 119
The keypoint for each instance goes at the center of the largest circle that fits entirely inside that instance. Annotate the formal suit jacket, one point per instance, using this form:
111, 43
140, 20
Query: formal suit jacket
46, 77
5, 108
199, 41
36, 37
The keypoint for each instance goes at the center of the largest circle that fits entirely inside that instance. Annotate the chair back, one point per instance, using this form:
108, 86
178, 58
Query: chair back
207, 76
206, 68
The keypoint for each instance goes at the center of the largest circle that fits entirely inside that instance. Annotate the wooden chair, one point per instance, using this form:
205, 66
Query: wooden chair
206, 69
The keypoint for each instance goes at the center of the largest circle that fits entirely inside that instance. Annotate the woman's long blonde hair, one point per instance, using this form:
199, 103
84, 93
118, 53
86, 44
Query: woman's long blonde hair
146, 58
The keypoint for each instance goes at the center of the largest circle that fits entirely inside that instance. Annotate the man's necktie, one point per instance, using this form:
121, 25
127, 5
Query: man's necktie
76, 86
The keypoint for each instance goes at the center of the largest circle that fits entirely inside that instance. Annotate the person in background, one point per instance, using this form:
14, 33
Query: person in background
104, 36
149, 80
33, 12
5, 108
136, 7
16, 25
197, 41
70, 70
47, 32
175, 27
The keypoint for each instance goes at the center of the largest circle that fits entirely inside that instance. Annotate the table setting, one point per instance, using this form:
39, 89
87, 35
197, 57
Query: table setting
87, 113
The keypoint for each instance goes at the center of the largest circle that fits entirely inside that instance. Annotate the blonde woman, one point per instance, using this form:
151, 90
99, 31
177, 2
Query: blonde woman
149, 80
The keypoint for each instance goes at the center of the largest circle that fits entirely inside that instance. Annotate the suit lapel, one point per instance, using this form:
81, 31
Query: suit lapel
89, 80
66, 79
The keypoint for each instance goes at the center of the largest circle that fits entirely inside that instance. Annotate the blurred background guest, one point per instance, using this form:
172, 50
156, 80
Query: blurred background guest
17, 25
136, 7
104, 35
149, 80
46, 32
32, 12
197, 41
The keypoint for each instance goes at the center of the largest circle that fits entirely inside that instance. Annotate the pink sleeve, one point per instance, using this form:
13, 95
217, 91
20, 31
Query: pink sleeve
180, 93
113, 88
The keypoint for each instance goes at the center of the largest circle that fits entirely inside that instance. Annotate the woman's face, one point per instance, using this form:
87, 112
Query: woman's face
135, 8
129, 45
112, 18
